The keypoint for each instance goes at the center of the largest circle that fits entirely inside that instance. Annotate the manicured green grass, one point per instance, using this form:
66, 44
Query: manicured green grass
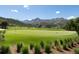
35, 36
33, 28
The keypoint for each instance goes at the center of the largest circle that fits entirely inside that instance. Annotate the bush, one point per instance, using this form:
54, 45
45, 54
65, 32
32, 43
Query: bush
4, 50
56, 43
66, 41
2, 32
48, 49
61, 42
31, 46
73, 44
76, 50
37, 50
77, 40
19, 47
25, 50
69, 45
65, 47
42, 44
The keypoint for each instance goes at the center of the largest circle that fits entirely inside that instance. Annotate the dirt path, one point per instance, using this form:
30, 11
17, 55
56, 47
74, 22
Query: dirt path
13, 49
67, 52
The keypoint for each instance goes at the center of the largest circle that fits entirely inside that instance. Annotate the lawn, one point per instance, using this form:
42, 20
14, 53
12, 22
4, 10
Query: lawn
28, 36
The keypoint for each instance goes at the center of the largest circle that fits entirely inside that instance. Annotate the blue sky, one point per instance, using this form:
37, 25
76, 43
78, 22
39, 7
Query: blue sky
24, 12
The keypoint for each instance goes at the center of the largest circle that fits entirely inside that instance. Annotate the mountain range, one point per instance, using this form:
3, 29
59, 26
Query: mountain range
54, 22
37, 22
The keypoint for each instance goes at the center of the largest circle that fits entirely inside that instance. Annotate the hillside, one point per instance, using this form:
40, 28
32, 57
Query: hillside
12, 22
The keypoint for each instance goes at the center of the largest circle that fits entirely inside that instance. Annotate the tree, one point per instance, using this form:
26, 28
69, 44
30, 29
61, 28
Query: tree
77, 25
73, 25
4, 25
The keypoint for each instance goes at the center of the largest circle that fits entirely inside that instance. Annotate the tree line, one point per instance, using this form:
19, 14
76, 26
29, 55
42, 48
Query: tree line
73, 25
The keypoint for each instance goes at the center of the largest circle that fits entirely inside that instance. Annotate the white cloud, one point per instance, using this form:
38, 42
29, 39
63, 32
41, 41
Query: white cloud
13, 10
71, 17
57, 12
26, 6
29, 19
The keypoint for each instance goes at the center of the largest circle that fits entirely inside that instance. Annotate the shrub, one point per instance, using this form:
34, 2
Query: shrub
56, 43
65, 47
76, 50
2, 32
37, 50
25, 50
19, 47
48, 49
61, 42
66, 41
31, 46
4, 50
77, 40
42, 44
53, 45
69, 45
73, 44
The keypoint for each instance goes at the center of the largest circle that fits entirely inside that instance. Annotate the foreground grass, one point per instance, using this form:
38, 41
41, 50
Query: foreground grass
35, 36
